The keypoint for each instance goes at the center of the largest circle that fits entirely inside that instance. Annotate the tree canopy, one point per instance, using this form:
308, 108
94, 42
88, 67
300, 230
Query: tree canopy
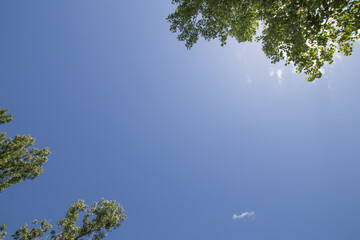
5, 118
306, 33
19, 160
100, 217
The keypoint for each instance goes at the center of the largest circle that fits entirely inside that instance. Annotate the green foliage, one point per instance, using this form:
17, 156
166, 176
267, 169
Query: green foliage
5, 118
100, 217
2, 231
305, 33
19, 160
24, 233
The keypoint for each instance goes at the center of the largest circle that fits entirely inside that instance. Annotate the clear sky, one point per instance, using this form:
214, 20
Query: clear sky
212, 143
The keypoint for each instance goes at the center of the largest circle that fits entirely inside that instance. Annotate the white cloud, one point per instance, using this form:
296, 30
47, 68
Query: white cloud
271, 72
279, 74
322, 70
331, 86
244, 216
248, 79
338, 56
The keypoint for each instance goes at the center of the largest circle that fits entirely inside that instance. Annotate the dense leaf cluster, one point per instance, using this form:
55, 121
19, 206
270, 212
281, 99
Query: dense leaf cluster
19, 160
306, 33
5, 118
101, 216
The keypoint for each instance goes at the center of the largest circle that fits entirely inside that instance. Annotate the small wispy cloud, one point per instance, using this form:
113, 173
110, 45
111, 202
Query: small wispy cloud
244, 216
322, 70
248, 79
337, 56
331, 86
279, 74
271, 72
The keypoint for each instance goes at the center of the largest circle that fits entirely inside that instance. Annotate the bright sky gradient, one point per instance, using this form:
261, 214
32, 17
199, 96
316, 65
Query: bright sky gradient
191, 143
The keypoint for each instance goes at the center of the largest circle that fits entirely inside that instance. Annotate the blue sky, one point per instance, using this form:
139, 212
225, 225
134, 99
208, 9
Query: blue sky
184, 140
